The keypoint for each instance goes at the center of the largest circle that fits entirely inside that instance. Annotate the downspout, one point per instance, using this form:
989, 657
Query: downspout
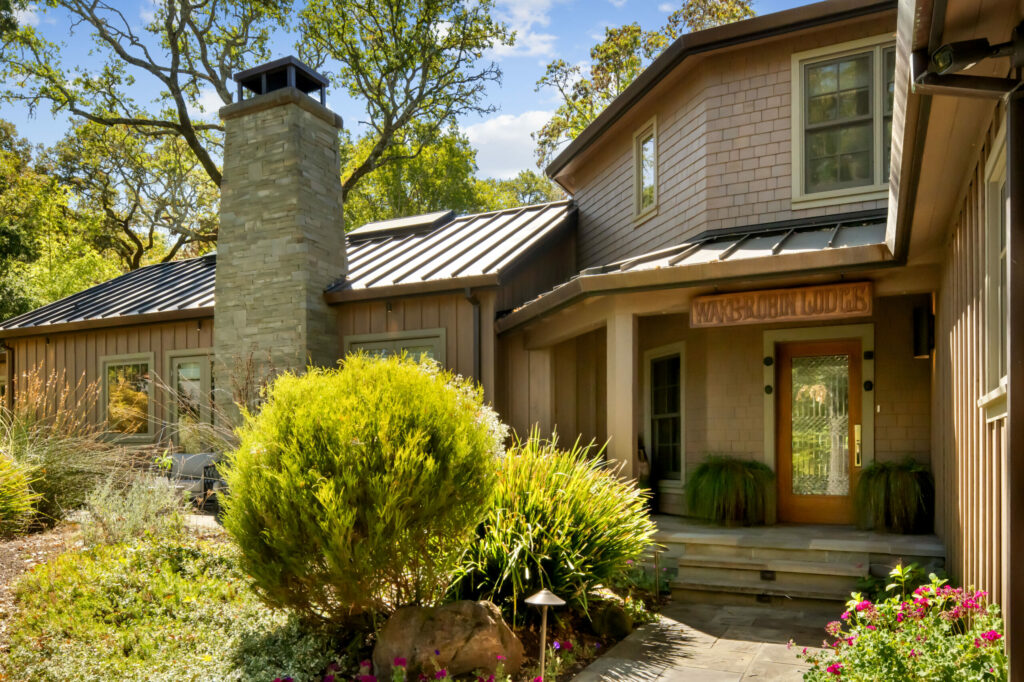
9, 397
475, 302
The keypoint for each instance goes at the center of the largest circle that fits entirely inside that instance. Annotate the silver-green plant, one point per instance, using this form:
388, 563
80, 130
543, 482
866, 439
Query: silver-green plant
147, 506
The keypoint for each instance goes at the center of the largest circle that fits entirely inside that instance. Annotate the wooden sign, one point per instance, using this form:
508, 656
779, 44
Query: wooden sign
827, 302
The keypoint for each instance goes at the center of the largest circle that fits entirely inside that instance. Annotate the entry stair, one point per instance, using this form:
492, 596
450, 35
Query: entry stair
782, 564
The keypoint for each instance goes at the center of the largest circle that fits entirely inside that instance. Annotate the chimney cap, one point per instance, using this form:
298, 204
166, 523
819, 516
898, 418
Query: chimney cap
280, 73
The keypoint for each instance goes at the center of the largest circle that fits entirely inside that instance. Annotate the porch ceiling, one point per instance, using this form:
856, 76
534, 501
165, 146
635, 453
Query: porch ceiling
830, 244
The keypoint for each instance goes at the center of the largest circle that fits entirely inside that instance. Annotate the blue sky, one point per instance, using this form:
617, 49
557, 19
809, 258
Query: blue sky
547, 30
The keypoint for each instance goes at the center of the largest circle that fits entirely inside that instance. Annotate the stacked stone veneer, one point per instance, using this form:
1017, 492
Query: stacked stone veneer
281, 240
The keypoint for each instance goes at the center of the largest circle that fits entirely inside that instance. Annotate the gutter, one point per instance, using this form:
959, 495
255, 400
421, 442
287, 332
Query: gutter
9, 397
708, 40
107, 322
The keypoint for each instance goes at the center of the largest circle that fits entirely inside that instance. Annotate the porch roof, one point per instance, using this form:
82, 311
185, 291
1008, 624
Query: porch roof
422, 256
825, 243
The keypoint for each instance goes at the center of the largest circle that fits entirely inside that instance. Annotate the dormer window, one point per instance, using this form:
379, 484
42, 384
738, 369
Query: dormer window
842, 122
645, 171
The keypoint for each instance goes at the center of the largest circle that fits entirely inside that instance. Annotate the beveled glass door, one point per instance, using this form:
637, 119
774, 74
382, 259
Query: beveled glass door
819, 415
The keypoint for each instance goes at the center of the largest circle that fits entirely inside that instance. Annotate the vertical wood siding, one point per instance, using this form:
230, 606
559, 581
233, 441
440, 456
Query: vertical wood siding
969, 453
76, 357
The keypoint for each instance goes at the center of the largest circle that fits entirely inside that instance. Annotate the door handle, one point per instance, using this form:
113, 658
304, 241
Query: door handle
858, 459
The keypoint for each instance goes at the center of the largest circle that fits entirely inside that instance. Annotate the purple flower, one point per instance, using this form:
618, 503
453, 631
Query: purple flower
500, 657
400, 662
441, 674
556, 646
437, 652
538, 679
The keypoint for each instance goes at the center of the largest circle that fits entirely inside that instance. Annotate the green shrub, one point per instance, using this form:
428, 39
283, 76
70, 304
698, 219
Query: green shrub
156, 612
149, 505
16, 498
355, 490
730, 490
896, 496
935, 633
561, 520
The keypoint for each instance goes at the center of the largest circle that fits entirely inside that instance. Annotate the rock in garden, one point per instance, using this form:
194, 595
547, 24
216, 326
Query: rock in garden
467, 637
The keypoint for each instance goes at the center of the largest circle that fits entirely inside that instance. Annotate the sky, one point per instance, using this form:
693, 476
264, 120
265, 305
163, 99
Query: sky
546, 30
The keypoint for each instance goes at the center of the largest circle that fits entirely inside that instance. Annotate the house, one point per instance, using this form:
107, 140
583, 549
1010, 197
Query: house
789, 240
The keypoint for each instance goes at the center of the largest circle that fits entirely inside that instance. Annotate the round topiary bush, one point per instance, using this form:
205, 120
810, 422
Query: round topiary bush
560, 519
355, 490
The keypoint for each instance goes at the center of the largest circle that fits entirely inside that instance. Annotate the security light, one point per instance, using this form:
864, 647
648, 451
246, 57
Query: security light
964, 54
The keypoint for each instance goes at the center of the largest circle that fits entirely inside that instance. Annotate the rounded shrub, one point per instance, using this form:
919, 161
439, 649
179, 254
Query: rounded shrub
561, 520
16, 498
355, 490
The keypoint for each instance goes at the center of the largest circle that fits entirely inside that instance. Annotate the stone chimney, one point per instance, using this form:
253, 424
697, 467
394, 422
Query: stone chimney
282, 239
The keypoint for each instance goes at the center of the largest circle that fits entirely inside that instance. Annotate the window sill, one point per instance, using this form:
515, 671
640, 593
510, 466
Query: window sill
641, 218
841, 196
671, 485
994, 402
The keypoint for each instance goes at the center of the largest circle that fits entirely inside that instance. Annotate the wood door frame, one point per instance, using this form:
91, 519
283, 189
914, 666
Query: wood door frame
834, 509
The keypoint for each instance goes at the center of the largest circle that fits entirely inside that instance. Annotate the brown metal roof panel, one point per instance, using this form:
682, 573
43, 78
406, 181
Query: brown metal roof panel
541, 227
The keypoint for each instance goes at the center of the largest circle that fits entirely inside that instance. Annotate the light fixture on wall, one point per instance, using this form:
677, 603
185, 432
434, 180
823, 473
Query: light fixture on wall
924, 332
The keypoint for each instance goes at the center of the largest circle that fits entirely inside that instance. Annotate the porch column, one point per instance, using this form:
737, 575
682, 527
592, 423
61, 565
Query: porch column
621, 389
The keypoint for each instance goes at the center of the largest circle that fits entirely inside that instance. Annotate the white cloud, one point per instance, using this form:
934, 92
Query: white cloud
618, 3
526, 18
666, 7
503, 142
28, 16
210, 103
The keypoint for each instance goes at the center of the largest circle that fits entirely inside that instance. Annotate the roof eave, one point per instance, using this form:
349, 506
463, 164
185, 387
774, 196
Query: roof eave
718, 37
442, 286
703, 274
108, 322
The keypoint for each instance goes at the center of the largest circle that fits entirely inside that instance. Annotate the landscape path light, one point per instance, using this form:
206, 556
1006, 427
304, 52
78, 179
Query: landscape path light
544, 599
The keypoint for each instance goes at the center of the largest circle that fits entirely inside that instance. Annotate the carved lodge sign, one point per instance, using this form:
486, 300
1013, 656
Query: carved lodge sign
827, 302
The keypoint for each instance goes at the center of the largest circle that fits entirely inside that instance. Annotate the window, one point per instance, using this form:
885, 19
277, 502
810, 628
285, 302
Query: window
996, 212
842, 121
191, 406
645, 171
429, 342
3, 389
664, 413
128, 395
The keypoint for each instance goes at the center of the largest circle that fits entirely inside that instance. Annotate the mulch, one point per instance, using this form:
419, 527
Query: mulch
19, 555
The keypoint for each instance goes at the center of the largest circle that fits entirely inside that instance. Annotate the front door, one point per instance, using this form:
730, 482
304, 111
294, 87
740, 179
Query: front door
818, 430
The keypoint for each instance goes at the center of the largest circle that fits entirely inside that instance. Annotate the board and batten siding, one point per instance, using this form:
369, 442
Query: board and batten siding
969, 451
77, 356
723, 150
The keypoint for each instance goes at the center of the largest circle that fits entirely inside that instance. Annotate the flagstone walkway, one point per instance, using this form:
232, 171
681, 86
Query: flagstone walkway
712, 643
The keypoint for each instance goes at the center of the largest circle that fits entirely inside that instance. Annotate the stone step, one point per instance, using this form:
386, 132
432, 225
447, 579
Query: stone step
681, 587
762, 552
787, 582
836, 568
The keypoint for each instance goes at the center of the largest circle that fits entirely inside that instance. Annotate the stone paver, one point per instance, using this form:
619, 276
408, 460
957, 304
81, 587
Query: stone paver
713, 643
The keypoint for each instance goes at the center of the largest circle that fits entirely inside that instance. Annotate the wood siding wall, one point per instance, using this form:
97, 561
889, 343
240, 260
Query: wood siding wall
723, 150
77, 356
969, 452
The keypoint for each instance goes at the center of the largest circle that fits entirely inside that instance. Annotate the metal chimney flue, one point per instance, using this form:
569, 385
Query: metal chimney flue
287, 72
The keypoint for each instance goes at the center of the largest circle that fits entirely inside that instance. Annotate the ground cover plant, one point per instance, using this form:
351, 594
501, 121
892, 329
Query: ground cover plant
157, 610
935, 632
561, 520
730, 490
355, 490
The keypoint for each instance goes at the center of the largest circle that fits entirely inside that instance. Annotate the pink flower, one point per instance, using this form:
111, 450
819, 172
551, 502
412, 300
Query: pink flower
834, 628
568, 646
538, 679
835, 669
328, 678
991, 636
441, 674
899, 617
846, 615
913, 653
864, 605
366, 664
872, 627
500, 657
367, 678
400, 662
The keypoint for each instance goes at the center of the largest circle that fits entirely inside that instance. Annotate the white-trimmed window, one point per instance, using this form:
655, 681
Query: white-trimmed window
128, 394
429, 342
645, 170
842, 121
665, 373
996, 275
190, 408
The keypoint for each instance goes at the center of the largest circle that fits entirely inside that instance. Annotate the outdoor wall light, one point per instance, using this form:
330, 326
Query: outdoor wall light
953, 57
544, 599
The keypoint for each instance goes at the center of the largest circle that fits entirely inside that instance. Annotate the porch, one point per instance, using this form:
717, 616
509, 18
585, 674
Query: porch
782, 564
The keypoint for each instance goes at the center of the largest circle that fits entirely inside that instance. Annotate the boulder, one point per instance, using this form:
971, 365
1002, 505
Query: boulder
468, 636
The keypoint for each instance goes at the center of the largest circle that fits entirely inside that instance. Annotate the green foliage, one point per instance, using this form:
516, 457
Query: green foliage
730, 490
16, 498
156, 612
561, 520
529, 187
355, 490
584, 91
935, 633
147, 506
896, 496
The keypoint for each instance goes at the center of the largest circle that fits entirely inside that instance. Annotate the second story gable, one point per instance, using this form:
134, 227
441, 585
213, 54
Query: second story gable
764, 123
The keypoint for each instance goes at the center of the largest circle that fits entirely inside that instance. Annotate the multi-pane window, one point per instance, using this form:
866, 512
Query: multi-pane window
1002, 291
996, 274
666, 418
645, 157
428, 342
128, 391
192, 406
846, 106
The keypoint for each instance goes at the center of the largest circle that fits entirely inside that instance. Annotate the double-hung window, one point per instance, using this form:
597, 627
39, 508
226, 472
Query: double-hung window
842, 121
191, 406
645, 171
996, 280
